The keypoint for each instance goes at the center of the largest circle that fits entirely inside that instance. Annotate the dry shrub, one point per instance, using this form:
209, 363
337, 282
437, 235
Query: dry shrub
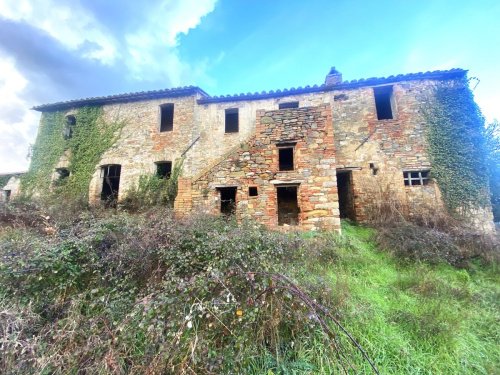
437, 238
428, 233
19, 340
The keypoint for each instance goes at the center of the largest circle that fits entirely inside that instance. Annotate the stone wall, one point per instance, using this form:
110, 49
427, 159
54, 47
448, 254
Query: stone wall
374, 152
11, 189
140, 143
391, 146
255, 164
214, 143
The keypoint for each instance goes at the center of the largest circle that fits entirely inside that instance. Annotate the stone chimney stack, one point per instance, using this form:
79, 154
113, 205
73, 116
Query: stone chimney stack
334, 77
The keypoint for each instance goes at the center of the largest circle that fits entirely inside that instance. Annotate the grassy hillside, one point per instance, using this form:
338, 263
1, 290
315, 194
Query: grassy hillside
121, 293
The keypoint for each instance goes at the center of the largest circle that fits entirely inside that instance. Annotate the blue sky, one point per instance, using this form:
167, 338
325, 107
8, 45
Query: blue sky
53, 50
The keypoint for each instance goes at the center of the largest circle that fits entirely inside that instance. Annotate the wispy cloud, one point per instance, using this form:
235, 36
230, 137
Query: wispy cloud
153, 47
68, 23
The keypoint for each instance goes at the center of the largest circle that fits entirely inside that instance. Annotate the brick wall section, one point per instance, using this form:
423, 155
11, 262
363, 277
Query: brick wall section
184, 200
256, 164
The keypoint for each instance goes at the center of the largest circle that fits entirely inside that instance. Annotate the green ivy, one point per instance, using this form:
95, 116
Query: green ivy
45, 153
92, 136
457, 147
153, 190
4, 179
493, 147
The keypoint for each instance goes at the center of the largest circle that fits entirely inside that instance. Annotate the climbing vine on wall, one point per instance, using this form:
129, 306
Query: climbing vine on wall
153, 190
457, 147
48, 148
91, 137
4, 180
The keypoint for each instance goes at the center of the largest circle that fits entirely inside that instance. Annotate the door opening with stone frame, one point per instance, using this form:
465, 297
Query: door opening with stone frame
288, 206
227, 200
346, 195
110, 175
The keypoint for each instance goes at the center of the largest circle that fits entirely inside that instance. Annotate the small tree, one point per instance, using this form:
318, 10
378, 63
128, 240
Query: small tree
493, 158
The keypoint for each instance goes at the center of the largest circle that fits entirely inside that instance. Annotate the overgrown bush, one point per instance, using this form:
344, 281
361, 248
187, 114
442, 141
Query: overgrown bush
429, 234
454, 245
146, 293
153, 190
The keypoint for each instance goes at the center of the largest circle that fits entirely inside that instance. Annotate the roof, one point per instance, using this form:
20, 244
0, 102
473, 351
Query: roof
12, 173
120, 98
206, 98
345, 85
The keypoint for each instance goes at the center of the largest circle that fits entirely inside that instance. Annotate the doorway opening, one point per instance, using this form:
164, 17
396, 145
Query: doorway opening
6, 195
346, 195
288, 207
228, 200
110, 175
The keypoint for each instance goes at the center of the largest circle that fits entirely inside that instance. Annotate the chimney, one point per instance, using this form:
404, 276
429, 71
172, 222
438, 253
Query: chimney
334, 77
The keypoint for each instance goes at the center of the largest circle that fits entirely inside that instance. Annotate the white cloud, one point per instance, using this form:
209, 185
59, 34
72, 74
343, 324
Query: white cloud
17, 123
149, 54
153, 48
70, 24
489, 101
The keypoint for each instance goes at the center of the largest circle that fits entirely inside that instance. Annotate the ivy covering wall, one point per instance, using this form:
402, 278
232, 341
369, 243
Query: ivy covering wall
457, 147
91, 137
4, 179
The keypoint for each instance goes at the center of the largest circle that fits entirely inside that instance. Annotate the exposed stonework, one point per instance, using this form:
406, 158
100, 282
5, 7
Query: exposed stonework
255, 164
12, 188
336, 132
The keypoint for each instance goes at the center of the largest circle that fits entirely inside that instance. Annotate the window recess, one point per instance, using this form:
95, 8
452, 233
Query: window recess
163, 169
167, 117
232, 120
69, 126
286, 105
252, 191
416, 178
384, 102
286, 156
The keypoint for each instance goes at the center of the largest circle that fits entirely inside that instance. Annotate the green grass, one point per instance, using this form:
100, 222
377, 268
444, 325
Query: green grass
416, 318
112, 293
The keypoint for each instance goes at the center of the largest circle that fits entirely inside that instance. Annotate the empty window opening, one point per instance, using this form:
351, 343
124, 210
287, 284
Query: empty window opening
416, 178
61, 175
232, 125
288, 105
374, 168
285, 158
288, 208
228, 200
164, 169
110, 175
166, 117
6, 195
346, 195
383, 102
252, 191
68, 126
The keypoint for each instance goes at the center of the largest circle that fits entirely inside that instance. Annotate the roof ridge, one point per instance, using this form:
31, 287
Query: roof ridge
206, 98
117, 97
345, 84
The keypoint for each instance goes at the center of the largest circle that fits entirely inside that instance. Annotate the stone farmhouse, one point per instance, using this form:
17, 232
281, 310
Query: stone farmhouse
305, 156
